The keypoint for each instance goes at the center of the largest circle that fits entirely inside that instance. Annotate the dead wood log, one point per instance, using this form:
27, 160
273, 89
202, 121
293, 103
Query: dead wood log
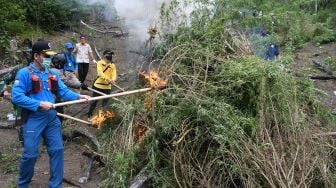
324, 67
97, 156
66, 180
86, 175
322, 77
92, 156
115, 33
82, 133
140, 179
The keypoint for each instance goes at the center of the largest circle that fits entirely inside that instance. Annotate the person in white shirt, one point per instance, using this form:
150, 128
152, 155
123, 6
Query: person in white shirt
84, 56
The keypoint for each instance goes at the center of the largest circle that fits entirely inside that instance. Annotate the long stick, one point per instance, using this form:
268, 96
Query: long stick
101, 93
122, 89
102, 97
96, 91
73, 118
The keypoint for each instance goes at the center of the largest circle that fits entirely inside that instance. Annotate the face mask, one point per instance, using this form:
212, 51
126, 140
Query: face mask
109, 57
46, 62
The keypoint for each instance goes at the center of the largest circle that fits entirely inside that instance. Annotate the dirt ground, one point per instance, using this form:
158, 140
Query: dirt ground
304, 64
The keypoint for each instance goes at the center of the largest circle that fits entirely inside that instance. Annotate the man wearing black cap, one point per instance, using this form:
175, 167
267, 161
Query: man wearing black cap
84, 55
34, 89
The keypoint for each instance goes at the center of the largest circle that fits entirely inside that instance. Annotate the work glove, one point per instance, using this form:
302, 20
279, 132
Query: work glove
84, 86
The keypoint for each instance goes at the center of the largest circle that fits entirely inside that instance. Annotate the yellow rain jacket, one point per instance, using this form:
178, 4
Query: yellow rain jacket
106, 72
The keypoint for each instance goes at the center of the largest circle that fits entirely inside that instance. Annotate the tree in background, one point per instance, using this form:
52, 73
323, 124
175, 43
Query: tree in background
18, 16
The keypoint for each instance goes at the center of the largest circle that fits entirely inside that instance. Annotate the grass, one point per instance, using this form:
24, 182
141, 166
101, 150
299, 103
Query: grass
228, 118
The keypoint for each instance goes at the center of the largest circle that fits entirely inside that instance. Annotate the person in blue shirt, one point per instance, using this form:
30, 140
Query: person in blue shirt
70, 65
272, 52
34, 89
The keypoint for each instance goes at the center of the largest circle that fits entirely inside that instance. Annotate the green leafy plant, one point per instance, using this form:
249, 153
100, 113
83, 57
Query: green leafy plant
331, 61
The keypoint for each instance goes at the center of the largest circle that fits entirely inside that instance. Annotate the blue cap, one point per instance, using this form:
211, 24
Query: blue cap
68, 45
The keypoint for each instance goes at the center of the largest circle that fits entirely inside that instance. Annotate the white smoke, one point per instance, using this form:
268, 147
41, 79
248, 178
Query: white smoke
139, 15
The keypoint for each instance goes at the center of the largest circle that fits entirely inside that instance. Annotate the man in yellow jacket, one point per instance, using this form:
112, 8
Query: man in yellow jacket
107, 75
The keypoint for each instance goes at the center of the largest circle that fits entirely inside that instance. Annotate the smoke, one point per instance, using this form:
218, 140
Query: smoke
139, 15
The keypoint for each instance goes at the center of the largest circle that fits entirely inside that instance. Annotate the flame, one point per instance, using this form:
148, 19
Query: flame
152, 79
139, 133
98, 119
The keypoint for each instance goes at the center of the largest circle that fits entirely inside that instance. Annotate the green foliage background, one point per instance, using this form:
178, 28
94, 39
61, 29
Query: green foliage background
229, 118
21, 17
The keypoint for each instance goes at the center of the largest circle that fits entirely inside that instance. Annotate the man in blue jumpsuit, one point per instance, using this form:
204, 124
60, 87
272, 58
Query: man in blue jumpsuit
34, 89
70, 65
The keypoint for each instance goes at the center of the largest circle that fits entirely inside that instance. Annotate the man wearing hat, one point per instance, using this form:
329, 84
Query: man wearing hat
84, 55
70, 65
107, 75
34, 89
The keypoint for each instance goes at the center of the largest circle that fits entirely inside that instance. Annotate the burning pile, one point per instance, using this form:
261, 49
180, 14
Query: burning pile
152, 79
98, 119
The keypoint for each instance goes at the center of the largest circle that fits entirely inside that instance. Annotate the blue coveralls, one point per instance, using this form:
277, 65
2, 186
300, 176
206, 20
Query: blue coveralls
40, 123
70, 64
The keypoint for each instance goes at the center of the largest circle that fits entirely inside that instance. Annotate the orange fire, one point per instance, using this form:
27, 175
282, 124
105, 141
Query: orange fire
152, 79
98, 119
139, 133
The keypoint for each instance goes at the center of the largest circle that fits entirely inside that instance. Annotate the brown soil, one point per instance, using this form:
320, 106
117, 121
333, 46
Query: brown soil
303, 59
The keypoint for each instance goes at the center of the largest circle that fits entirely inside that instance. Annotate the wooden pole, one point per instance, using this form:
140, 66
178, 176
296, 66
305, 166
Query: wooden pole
102, 97
93, 90
73, 118
122, 89
101, 93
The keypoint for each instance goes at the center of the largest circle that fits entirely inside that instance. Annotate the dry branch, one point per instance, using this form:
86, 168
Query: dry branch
323, 67
82, 133
140, 179
86, 174
66, 180
115, 33
322, 77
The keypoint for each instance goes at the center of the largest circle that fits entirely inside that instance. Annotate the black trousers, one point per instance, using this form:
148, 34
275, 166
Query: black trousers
83, 69
94, 103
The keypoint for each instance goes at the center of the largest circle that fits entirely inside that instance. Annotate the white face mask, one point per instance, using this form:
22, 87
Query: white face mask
46, 62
